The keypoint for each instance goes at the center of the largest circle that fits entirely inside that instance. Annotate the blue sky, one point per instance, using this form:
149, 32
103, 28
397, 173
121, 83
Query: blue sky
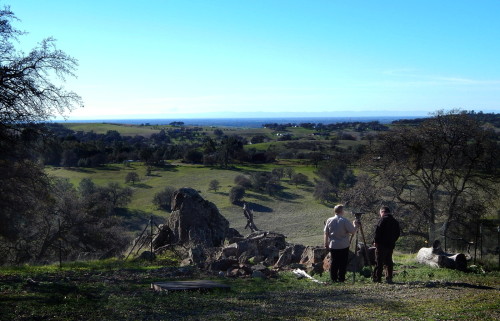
161, 58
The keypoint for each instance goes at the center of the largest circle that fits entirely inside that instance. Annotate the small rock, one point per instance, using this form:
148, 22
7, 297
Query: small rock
258, 274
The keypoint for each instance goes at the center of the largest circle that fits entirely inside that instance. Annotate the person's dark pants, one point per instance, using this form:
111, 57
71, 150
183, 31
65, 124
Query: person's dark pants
338, 264
383, 258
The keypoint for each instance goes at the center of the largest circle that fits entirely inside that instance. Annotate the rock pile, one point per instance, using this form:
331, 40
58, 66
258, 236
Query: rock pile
202, 236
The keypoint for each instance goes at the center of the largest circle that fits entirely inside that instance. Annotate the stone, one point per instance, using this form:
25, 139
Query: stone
163, 237
314, 268
222, 264
258, 274
230, 250
259, 267
313, 254
147, 256
196, 221
297, 251
285, 257
196, 254
186, 262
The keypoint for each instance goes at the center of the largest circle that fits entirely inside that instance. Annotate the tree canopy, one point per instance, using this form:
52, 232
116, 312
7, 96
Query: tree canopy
444, 170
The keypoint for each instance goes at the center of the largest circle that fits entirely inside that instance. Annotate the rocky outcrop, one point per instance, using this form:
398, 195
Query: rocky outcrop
193, 221
202, 236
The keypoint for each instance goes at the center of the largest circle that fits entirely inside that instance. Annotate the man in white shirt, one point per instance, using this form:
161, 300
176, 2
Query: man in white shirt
337, 231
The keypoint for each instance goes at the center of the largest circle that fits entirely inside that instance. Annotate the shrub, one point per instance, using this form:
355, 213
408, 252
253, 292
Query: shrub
214, 185
243, 181
236, 194
163, 199
299, 178
132, 177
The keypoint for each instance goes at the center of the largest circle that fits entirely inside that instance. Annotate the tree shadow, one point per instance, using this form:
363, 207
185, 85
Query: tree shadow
259, 197
79, 170
135, 220
108, 168
306, 189
166, 168
142, 185
289, 196
259, 208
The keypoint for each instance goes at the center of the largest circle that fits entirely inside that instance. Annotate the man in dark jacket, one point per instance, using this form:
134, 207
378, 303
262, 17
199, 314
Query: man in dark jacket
387, 233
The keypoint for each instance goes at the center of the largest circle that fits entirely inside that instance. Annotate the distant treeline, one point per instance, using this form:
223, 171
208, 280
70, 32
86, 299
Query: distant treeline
357, 126
491, 118
68, 148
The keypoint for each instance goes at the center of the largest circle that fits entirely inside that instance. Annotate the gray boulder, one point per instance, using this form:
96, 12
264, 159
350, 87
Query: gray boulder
196, 221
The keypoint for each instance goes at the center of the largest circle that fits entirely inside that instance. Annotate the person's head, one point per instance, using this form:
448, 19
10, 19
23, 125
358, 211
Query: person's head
338, 209
385, 210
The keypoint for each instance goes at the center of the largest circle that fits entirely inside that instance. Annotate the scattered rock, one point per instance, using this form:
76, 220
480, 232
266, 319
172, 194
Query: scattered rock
197, 232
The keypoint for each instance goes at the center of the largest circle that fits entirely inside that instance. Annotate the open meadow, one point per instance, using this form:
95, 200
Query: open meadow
293, 212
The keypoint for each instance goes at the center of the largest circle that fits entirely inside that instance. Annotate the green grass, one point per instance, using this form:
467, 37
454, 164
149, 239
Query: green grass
293, 212
103, 128
117, 290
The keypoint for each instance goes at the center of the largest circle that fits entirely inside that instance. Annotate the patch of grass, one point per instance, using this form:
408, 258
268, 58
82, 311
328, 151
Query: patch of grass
115, 290
103, 128
294, 212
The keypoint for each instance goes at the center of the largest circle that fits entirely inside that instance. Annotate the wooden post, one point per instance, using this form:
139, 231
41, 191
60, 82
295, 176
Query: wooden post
481, 241
151, 230
445, 238
60, 241
475, 242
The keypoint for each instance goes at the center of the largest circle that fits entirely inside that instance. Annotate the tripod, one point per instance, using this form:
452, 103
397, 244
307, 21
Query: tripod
359, 229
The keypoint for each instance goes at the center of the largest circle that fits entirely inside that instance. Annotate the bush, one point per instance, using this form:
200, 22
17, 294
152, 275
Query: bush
243, 181
193, 156
163, 199
132, 177
236, 194
214, 185
299, 178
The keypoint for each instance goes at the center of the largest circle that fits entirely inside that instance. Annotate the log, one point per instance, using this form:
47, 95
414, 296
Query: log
434, 256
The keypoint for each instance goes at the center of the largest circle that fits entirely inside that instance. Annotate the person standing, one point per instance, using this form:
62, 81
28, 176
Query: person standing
387, 233
336, 238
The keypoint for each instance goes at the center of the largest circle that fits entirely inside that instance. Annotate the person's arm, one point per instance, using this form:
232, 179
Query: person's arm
325, 240
377, 236
350, 227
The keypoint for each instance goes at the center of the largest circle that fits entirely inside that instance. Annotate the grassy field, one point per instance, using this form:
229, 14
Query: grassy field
293, 212
115, 290
103, 128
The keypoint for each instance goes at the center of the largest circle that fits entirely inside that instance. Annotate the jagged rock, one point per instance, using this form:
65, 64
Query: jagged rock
244, 258
186, 262
258, 274
197, 221
285, 257
230, 250
147, 256
257, 259
222, 264
297, 251
314, 268
235, 272
163, 237
259, 267
196, 232
196, 254
313, 254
